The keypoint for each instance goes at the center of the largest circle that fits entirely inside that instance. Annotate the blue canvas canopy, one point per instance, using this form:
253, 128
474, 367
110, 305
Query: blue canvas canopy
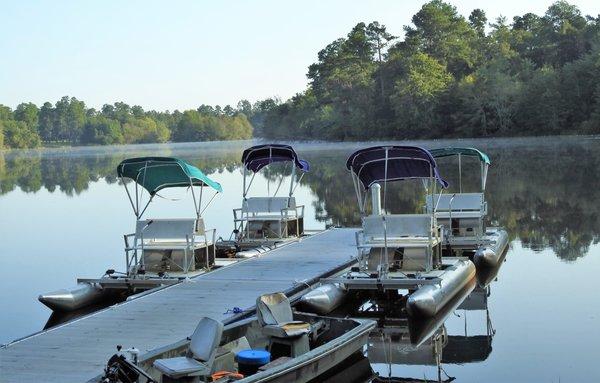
156, 173
392, 163
259, 156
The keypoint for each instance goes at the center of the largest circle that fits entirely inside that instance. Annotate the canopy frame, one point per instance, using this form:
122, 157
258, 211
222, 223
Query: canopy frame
250, 167
139, 208
467, 152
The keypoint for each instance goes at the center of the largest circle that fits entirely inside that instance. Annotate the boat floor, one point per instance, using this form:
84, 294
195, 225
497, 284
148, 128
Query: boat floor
77, 351
396, 279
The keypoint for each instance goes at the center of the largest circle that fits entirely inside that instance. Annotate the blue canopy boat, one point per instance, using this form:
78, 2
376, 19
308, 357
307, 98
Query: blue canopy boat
271, 219
463, 213
162, 250
401, 251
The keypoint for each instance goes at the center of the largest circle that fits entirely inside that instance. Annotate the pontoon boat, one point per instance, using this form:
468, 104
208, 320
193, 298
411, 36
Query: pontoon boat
268, 220
463, 213
161, 251
401, 251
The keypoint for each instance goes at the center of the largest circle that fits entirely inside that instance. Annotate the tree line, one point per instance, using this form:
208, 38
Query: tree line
69, 121
451, 76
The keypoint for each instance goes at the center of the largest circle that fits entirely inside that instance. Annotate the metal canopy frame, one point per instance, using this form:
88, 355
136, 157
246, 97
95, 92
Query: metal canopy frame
466, 152
294, 179
139, 208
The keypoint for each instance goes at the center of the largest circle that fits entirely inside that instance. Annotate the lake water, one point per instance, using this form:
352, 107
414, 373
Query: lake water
63, 214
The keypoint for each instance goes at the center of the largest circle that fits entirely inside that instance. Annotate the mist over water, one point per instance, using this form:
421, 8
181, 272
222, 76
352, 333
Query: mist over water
63, 214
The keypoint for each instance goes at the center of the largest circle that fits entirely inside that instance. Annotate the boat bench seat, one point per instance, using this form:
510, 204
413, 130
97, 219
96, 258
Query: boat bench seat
462, 205
400, 242
269, 208
165, 234
475, 214
402, 227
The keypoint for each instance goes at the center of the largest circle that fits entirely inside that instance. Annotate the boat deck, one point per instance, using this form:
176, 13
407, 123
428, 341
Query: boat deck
77, 351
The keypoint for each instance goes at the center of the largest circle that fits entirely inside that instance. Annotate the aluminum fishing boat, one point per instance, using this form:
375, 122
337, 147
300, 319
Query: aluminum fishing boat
266, 221
278, 345
161, 251
462, 214
401, 251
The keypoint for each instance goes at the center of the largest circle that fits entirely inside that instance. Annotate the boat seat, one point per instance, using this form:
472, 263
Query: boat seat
401, 230
472, 205
474, 214
274, 314
200, 355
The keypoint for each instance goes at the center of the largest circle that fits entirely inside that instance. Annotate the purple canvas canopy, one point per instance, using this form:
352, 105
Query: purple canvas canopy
259, 156
403, 162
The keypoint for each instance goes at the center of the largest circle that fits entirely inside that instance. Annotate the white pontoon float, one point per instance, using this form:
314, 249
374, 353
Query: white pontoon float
161, 251
267, 221
463, 213
401, 251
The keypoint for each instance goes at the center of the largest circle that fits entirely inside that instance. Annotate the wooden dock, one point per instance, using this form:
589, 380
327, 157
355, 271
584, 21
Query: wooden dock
78, 351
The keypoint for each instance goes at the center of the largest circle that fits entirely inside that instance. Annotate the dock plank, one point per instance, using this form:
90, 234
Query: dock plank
77, 351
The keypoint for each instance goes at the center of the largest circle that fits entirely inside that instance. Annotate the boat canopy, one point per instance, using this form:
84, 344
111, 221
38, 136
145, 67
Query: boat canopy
156, 173
257, 157
393, 163
470, 152
447, 152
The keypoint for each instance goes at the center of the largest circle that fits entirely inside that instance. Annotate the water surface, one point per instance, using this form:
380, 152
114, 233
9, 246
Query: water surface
63, 214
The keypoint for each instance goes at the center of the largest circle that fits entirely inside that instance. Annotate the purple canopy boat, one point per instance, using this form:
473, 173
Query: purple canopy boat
401, 251
264, 221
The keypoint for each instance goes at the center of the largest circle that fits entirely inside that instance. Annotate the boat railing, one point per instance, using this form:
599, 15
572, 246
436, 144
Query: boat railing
398, 228
183, 234
278, 209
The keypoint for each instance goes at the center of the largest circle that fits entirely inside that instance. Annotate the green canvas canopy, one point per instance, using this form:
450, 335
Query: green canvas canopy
446, 152
156, 173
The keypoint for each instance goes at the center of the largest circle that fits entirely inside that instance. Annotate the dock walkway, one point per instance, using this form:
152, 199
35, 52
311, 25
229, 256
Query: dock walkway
77, 351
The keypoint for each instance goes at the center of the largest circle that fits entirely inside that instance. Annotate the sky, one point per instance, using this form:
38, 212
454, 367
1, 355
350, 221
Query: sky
168, 55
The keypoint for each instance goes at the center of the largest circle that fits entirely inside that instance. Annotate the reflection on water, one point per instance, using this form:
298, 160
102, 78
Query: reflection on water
62, 215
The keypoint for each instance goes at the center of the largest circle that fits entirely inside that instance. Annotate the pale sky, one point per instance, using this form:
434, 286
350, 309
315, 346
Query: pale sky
180, 54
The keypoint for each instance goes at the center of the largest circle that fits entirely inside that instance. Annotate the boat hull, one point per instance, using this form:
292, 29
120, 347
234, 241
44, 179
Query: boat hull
428, 300
82, 295
311, 365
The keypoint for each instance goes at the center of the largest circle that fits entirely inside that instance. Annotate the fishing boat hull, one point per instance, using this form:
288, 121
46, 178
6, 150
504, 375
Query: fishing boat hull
75, 298
316, 362
428, 300
323, 299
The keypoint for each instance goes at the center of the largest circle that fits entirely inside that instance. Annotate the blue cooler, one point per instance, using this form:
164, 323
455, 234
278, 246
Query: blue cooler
249, 361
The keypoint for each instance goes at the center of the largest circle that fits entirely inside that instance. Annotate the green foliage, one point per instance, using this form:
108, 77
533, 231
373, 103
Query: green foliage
451, 77
144, 130
207, 126
102, 131
18, 134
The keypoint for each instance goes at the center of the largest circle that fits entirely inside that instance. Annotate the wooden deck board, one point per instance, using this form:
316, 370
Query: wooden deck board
78, 351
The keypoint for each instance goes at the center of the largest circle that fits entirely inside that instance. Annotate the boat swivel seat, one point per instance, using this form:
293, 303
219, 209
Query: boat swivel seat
275, 316
199, 358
